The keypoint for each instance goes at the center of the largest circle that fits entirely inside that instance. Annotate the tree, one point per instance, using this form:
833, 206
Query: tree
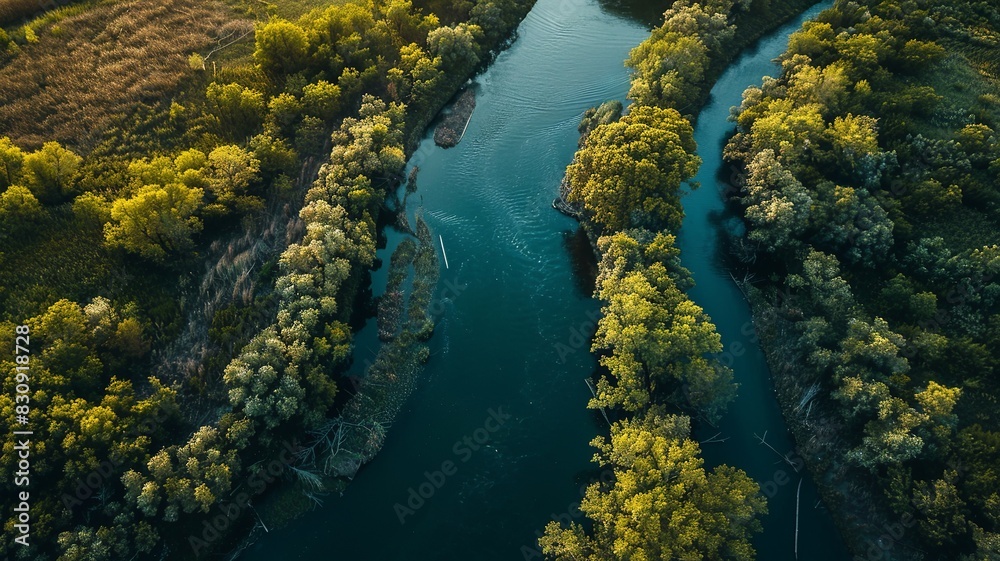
321, 99
853, 137
657, 336
945, 515
630, 171
50, 171
778, 205
669, 68
274, 154
157, 221
406, 22
663, 504
18, 210
190, 168
283, 110
371, 145
184, 478
281, 48
890, 438
240, 110
496, 18
937, 403
457, 46
262, 383
231, 169
787, 129
159, 170
420, 75
11, 161
827, 291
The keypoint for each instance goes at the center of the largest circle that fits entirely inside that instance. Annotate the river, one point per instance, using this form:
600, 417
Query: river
496, 435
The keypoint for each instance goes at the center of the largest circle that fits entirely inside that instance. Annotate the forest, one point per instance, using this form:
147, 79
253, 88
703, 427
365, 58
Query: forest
866, 176
189, 274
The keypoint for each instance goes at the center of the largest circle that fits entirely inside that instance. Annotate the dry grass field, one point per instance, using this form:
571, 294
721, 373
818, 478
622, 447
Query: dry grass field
89, 68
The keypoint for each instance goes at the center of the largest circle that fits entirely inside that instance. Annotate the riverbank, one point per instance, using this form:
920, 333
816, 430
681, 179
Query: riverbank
884, 357
818, 435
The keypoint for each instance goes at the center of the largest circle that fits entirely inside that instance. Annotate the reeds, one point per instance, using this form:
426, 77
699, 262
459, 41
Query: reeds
102, 63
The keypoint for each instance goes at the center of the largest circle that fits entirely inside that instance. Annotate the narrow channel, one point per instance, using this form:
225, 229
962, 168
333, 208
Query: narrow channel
511, 341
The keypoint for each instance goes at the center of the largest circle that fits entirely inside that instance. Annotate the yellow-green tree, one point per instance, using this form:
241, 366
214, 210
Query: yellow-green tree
658, 337
630, 172
11, 160
663, 503
282, 48
50, 171
157, 221
240, 110
18, 210
231, 169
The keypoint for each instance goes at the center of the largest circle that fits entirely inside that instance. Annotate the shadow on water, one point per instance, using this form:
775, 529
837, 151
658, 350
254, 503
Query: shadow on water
646, 12
582, 260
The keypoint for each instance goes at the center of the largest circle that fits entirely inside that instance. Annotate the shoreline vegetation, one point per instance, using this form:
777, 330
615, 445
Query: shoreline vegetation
870, 249
130, 233
451, 129
624, 186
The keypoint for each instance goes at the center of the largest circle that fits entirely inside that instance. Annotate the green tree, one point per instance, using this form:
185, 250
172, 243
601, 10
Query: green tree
281, 48
11, 161
274, 154
663, 503
184, 478
457, 46
157, 221
261, 382
49, 172
630, 171
891, 438
777, 204
240, 110
945, 516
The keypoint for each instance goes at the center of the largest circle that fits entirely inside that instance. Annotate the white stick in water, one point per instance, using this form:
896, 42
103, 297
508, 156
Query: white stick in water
443, 252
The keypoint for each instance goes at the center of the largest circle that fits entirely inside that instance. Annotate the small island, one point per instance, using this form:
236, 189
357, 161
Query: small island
451, 129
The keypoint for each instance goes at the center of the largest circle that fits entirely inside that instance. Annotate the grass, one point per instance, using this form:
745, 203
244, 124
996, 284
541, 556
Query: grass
91, 67
963, 87
291, 10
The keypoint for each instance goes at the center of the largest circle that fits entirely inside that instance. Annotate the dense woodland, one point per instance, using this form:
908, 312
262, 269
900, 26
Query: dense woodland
868, 185
181, 272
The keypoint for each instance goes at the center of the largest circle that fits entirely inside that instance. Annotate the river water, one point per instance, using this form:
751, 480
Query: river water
494, 442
